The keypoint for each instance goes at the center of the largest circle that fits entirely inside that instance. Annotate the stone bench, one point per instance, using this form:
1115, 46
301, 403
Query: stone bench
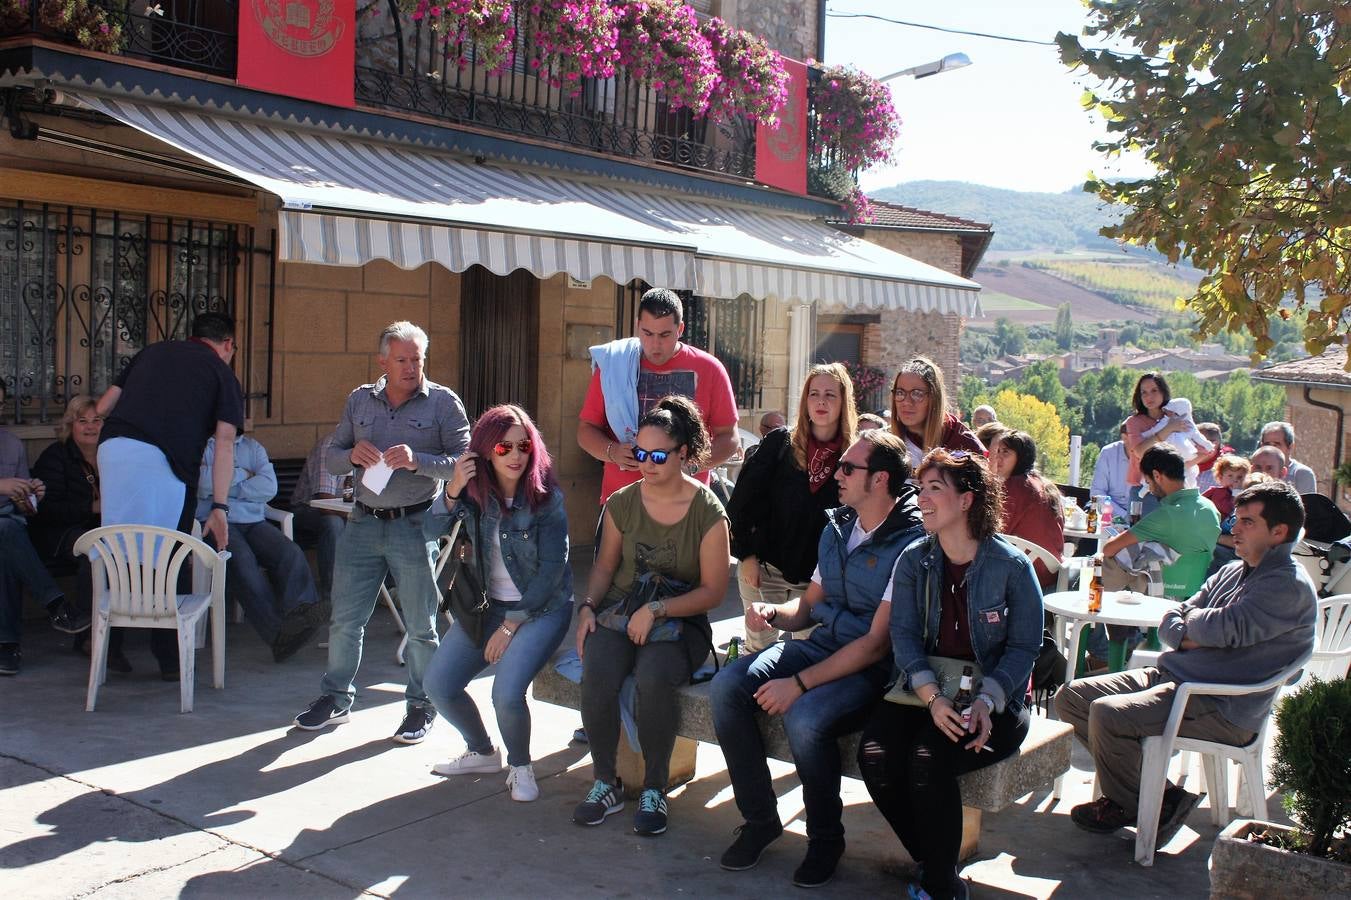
1043, 756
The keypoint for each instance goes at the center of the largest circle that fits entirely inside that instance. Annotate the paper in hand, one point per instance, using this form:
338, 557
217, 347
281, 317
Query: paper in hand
377, 476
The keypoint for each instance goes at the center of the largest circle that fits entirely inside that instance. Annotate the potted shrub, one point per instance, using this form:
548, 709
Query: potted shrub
1313, 769
1342, 475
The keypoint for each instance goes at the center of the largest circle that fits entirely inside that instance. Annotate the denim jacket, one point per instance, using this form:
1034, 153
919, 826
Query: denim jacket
854, 582
1004, 604
534, 550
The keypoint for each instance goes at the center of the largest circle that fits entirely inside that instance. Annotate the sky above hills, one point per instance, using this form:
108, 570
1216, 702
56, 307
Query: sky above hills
1012, 119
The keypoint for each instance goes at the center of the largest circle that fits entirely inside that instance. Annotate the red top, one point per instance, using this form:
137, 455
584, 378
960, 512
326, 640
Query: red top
1136, 426
954, 623
1028, 516
1222, 498
822, 457
690, 373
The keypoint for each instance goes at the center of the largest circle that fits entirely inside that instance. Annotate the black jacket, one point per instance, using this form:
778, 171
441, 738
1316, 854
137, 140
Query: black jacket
67, 510
774, 514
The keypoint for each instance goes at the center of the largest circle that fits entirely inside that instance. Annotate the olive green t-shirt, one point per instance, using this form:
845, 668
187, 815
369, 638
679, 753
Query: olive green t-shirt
649, 546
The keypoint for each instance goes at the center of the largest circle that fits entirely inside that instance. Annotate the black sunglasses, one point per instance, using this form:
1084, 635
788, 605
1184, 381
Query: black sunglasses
849, 468
658, 456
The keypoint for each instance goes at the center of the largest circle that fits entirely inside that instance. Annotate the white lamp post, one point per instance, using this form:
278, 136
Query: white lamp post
924, 70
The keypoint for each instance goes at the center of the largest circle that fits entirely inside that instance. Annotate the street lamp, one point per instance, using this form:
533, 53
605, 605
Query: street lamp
924, 70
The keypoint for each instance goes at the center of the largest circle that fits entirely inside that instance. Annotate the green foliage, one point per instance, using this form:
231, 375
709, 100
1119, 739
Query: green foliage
1088, 459
1133, 284
968, 393
1042, 380
1010, 338
1023, 412
1242, 110
1064, 327
1312, 765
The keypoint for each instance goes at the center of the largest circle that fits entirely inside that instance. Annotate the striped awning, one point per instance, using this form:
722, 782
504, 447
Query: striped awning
348, 201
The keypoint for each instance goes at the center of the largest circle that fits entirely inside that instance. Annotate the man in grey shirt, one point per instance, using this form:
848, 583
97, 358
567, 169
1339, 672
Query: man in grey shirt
417, 428
1281, 435
1250, 621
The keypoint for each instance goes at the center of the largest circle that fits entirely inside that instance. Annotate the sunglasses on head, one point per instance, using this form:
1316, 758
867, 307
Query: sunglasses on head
502, 448
659, 457
849, 468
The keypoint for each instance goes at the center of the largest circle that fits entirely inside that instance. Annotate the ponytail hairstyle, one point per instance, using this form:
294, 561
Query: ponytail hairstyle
680, 419
847, 429
537, 481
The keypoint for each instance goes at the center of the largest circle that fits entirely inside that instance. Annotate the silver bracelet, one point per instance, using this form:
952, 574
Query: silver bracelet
508, 631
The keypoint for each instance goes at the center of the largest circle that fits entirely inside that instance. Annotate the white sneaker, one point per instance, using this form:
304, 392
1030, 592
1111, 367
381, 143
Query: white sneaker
470, 762
521, 780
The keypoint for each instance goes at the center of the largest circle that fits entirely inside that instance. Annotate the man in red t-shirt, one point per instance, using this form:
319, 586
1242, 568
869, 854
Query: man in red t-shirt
665, 367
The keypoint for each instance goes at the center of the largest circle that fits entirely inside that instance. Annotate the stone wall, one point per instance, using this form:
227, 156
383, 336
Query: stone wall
790, 26
900, 335
1316, 433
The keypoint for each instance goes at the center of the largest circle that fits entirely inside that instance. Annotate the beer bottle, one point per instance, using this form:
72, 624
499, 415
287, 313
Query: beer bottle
962, 702
733, 649
1092, 525
1137, 510
1095, 588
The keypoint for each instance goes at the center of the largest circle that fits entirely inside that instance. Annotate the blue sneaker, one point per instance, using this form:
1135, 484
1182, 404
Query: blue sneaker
651, 816
604, 800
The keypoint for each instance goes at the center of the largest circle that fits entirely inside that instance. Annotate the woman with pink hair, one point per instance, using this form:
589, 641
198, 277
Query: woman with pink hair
509, 504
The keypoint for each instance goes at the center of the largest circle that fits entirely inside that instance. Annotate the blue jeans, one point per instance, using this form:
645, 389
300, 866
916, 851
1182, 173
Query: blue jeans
323, 529
458, 661
369, 549
813, 723
268, 575
20, 566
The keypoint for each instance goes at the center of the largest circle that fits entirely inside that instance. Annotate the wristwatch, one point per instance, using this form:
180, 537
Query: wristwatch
657, 608
223, 507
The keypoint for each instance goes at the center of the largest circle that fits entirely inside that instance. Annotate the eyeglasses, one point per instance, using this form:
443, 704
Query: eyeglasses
659, 457
916, 396
502, 448
849, 468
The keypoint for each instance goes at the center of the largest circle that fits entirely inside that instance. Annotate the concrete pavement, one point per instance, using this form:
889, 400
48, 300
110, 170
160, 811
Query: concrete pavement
138, 800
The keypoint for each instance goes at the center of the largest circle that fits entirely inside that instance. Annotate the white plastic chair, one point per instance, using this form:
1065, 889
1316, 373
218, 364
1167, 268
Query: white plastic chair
1332, 642
1036, 552
1159, 750
135, 572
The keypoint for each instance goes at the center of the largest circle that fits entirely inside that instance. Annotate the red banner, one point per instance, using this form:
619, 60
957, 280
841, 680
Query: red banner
781, 151
300, 48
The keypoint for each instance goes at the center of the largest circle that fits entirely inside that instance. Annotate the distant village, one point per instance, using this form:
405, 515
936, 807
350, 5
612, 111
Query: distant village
1205, 362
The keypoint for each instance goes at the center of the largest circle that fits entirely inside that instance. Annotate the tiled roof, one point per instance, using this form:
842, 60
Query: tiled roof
894, 215
1329, 369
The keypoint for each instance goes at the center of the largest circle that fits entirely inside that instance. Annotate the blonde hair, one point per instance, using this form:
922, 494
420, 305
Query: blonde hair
928, 370
1256, 478
1231, 462
74, 409
848, 426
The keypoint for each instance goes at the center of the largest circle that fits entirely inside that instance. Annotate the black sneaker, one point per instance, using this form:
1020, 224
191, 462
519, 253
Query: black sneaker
819, 866
68, 620
749, 846
416, 723
10, 659
650, 819
321, 714
602, 801
1177, 805
1101, 816
287, 645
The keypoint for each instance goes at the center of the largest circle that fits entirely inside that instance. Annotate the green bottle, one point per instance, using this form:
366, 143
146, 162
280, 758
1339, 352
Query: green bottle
733, 649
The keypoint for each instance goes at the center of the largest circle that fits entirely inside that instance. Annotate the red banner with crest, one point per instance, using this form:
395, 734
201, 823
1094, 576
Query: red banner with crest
781, 150
299, 48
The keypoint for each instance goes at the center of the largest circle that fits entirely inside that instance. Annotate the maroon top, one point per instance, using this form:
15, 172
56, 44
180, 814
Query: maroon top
954, 623
1222, 498
1027, 515
822, 457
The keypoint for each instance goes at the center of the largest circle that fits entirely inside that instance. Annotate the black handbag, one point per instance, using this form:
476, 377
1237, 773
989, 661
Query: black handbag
466, 599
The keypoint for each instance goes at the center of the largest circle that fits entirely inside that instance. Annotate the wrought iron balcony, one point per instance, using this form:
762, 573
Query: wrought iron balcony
201, 35
401, 65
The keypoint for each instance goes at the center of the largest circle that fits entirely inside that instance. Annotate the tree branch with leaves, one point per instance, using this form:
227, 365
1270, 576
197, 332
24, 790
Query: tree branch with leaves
1242, 109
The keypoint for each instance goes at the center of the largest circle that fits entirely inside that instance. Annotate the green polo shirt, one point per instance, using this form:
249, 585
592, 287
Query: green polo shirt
1190, 525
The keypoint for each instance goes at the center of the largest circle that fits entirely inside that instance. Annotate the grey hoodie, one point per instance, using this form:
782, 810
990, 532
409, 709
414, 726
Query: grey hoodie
1251, 622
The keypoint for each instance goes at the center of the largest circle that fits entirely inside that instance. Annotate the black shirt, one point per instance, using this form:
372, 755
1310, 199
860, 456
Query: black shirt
173, 394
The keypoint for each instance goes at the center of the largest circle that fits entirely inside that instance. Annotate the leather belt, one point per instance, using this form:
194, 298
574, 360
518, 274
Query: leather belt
393, 512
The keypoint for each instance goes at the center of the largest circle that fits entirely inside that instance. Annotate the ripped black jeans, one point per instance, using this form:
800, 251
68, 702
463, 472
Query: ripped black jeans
911, 770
